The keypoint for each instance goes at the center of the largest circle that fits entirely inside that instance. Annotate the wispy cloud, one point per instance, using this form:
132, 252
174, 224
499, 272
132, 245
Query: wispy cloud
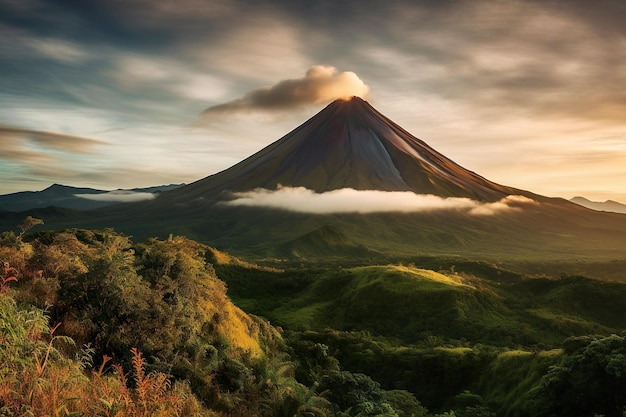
320, 84
508, 203
15, 138
118, 196
531, 58
59, 50
250, 49
348, 200
50, 155
137, 72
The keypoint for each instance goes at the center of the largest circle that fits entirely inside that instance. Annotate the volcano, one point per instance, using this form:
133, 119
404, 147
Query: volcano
349, 144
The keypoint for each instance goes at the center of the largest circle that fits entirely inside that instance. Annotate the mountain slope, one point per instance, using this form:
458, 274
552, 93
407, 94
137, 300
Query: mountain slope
327, 242
348, 144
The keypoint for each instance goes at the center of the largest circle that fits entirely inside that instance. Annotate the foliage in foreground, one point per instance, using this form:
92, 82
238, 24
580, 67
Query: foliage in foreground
37, 379
201, 355
161, 298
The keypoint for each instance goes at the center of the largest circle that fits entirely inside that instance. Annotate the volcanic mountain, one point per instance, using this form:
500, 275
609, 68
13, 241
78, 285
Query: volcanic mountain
349, 144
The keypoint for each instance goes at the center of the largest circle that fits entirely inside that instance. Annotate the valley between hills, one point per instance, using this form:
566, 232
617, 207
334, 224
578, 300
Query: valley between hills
213, 299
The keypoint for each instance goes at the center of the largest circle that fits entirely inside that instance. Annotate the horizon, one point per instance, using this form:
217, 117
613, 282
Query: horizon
108, 190
122, 95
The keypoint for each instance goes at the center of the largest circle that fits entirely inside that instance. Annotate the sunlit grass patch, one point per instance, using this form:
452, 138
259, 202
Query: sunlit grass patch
514, 353
416, 278
559, 319
459, 350
431, 275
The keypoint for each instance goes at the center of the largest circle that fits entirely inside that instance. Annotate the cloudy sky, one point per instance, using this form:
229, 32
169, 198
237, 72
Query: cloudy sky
131, 93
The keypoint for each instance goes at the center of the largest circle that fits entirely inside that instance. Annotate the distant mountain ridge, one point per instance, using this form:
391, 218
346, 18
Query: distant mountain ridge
608, 205
75, 198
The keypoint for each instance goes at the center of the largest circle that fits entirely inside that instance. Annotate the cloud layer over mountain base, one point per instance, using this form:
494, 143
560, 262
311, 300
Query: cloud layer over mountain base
348, 200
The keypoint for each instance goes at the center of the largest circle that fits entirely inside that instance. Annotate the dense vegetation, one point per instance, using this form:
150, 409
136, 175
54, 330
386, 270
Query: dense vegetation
94, 324
158, 309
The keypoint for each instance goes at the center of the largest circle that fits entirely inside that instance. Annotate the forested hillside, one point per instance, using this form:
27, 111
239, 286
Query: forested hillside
94, 324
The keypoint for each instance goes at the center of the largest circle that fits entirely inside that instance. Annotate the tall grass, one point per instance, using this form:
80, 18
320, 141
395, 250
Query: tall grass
37, 379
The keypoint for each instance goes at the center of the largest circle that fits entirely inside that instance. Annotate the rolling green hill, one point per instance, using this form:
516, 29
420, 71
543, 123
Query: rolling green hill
483, 305
471, 331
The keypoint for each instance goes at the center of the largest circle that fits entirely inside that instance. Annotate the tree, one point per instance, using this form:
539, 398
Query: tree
355, 394
28, 223
590, 380
405, 404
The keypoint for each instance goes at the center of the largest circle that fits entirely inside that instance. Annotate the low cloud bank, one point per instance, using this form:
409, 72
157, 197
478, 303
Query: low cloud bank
320, 84
118, 196
348, 200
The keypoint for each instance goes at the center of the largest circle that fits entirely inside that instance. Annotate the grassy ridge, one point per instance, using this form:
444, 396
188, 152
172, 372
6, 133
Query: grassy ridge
411, 303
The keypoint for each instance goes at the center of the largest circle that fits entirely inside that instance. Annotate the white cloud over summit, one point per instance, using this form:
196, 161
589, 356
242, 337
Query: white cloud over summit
321, 84
348, 200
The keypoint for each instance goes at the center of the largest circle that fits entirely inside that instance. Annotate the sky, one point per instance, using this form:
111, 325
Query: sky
135, 93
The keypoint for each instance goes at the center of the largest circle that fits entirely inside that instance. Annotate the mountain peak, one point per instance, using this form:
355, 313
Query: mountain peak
608, 205
56, 186
355, 99
351, 102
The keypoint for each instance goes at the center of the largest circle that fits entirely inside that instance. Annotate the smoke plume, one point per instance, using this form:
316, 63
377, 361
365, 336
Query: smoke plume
321, 84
